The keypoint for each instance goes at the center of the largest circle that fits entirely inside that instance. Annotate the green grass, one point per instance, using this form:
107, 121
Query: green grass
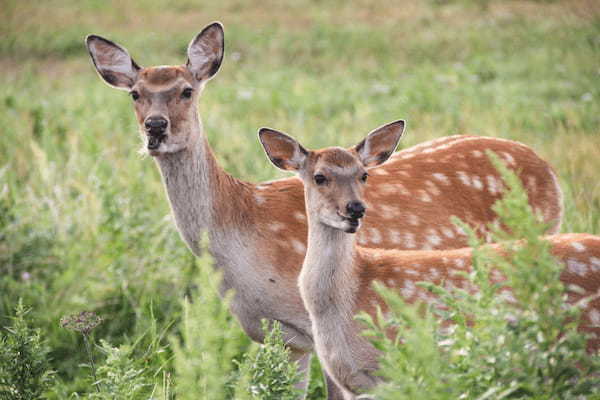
84, 222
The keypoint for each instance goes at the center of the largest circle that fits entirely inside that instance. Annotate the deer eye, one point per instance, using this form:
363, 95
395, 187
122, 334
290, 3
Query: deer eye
187, 93
320, 179
134, 95
364, 177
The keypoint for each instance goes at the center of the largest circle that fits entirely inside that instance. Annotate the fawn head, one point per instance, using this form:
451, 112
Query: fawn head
164, 97
334, 178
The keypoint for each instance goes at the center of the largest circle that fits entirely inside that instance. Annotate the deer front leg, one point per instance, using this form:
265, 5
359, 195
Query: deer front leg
303, 360
333, 390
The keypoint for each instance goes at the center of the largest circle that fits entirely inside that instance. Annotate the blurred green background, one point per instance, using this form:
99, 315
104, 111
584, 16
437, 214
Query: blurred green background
84, 222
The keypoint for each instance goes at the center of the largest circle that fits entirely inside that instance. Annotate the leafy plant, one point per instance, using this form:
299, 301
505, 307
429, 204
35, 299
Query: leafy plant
119, 376
268, 373
494, 349
210, 339
84, 323
25, 372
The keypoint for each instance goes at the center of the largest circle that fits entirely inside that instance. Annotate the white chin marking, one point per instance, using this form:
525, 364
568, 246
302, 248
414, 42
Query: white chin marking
336, 223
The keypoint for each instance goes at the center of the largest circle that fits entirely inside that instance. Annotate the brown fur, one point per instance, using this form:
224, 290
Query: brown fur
336, 281
283, 200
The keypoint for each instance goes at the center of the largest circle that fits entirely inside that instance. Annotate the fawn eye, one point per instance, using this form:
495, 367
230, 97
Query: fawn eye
320, 179
187, 93
134, 95
364, 177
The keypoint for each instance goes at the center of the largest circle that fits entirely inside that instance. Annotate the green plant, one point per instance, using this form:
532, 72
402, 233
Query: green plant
84, 323
210, 339
25, 372
268, 373
119, 376
494, 349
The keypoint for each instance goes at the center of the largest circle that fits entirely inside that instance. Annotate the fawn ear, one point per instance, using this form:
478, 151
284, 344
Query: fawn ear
379, 145
205, 52
113, 63
283, 151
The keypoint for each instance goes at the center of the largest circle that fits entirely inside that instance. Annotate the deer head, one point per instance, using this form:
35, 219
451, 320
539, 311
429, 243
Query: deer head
334, 178
164, 97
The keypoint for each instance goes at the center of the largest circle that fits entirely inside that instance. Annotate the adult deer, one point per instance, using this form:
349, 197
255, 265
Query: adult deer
258, 231
337, 274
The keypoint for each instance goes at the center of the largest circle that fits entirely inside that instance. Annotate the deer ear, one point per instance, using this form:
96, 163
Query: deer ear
283, 151
205, 52
113, 63
379, 145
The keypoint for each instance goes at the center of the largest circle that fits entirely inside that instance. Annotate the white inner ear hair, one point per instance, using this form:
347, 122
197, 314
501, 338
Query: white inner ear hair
200, 54
118, 61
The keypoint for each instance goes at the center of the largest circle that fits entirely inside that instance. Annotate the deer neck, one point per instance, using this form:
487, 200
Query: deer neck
195, 185
328, 281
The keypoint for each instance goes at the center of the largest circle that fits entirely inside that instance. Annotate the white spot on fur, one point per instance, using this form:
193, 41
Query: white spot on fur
362, 237
434, 274
459, 262
575, 288
449, 233
424, 196
477, 184
477, 153
298, 246
413, 219
595, 263
508, 157
594, 316
464, 178
492, 183
577, 267
374, 236
442, 178
388, 212
259, 199
394, 236
391, 282
388, 189
433, 237
409, 240
578, 246
460, 231
410, 271
408, 289
432, 188
276, 226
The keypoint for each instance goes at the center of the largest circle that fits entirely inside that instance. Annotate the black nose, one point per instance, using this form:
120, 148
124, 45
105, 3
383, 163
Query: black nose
156, 125
356, 209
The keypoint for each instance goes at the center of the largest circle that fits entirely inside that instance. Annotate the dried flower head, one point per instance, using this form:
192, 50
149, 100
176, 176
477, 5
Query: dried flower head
83, 322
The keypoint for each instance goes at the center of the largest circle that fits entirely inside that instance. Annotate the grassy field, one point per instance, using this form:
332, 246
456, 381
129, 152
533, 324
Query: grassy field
84, 222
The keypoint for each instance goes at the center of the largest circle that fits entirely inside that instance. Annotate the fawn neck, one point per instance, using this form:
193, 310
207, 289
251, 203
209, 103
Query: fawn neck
327, 279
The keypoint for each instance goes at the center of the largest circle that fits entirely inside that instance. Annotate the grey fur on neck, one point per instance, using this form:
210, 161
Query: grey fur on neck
327, 281
187, 179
